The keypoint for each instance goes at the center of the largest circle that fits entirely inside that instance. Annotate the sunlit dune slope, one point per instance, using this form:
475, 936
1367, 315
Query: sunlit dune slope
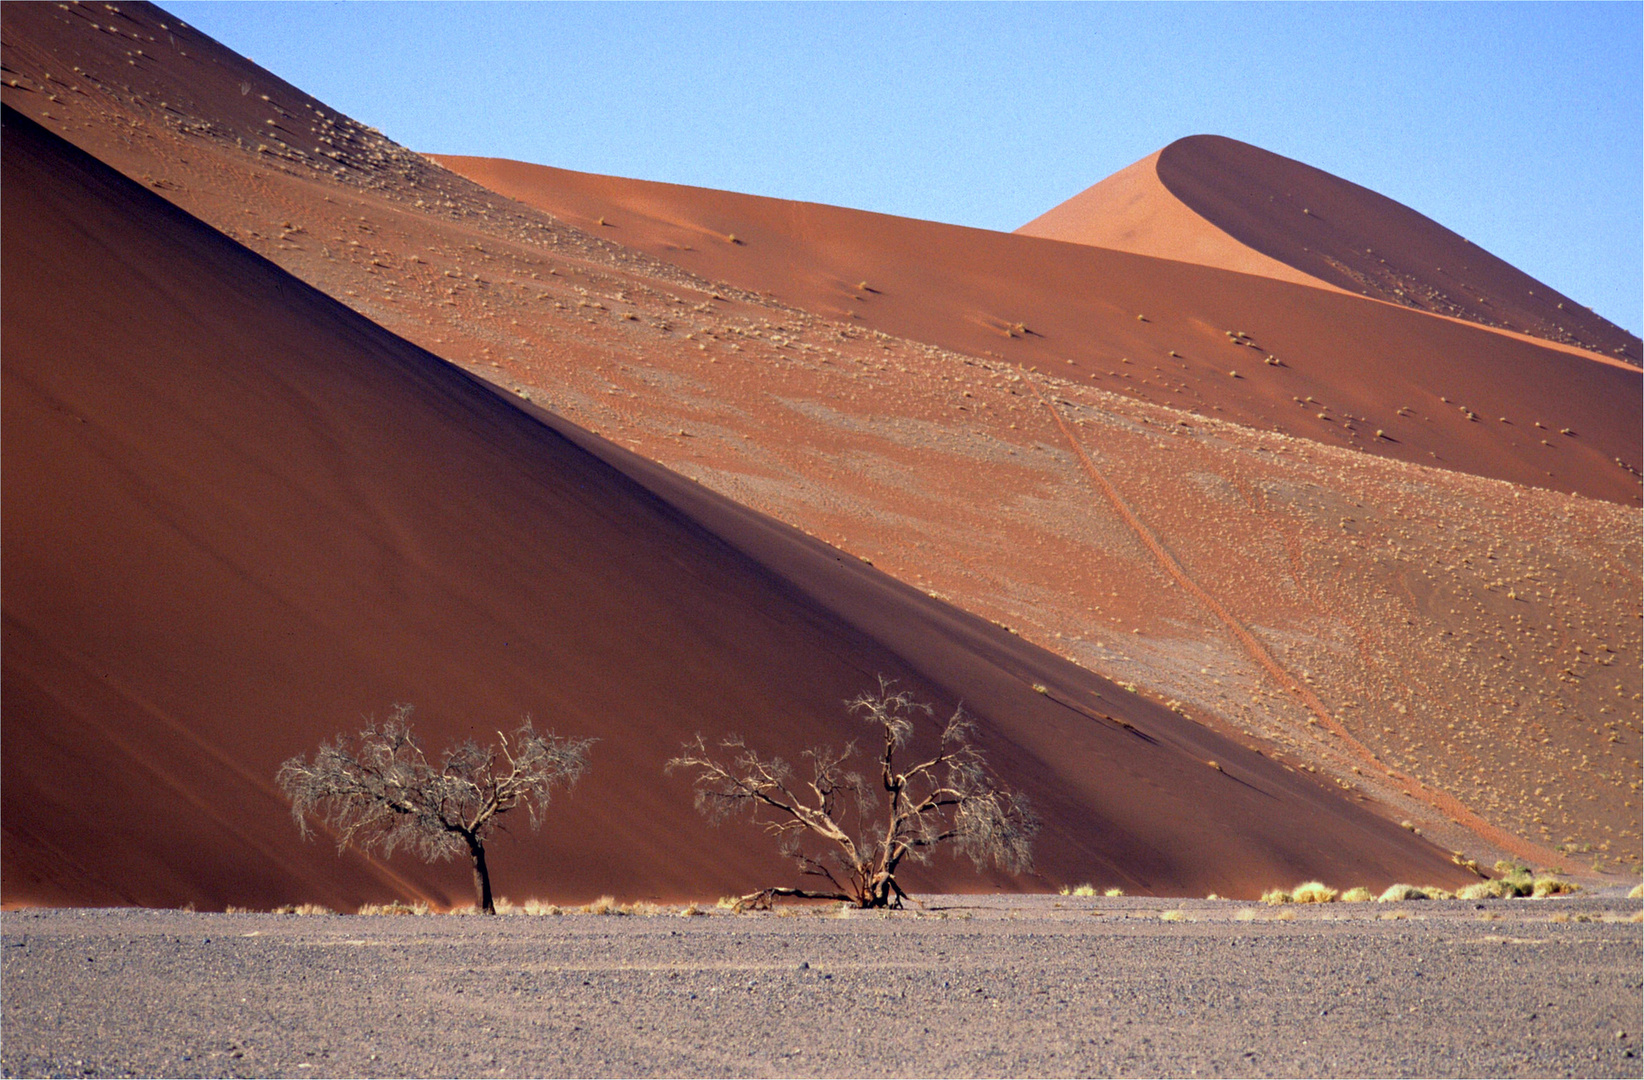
1221, 202
238, 517
1461, 650
1347, 371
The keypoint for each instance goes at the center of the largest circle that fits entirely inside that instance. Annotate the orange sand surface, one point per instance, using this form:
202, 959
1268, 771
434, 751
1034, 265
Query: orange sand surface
1450, 639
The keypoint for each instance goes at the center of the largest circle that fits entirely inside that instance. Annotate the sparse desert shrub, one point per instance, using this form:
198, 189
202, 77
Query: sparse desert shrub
854, 832
1552, 886
1433, 892
1276, 896
1112, 892
1398, 893
1171, 916
303, 909
643, 908
1313, 892
729, 903
1494, 889
379, 791
605, 905
1636, 892
690, 911
1358, 894
537, 907
1084, 890
235, 910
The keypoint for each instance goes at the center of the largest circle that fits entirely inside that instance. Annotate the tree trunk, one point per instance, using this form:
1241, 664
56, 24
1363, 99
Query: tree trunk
482, 879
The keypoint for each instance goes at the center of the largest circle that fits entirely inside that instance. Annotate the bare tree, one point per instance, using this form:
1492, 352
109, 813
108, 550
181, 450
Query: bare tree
379, 791
855, 833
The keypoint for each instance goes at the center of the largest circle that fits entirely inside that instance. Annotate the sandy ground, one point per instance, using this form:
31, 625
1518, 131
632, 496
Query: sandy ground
966, 986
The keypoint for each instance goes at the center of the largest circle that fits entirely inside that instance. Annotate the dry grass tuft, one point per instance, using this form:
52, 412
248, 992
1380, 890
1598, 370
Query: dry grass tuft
1401, 892
690, 911
303, 909
537, 907
233, 909
1313, 892
1358, 894
1172, 916
605, 905
1113, 892
1637, 892
643, 909
1276, 896
1248, 914
395, 907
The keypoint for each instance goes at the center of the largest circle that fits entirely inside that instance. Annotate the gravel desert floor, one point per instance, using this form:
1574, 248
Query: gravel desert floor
961, 986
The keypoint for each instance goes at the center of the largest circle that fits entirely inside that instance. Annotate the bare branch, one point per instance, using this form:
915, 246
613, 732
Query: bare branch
853, 834
378, 791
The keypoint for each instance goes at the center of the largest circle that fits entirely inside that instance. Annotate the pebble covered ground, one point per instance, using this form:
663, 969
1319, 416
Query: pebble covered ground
961, 986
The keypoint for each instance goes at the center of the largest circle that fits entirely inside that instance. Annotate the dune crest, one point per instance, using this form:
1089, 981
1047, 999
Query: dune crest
1220, 202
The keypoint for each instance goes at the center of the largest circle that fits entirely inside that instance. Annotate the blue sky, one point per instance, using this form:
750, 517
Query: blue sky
1520, 126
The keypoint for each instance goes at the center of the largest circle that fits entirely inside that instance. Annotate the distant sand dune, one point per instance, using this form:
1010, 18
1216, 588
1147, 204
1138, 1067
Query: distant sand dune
1220, 202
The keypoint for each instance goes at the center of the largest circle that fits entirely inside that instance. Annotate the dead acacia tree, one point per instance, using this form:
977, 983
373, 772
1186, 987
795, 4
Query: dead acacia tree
379, 790
856, 832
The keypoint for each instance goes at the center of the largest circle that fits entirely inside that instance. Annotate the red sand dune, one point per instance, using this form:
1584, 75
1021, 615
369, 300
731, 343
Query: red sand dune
1387, 590
1220, 202
1387, 380
239, 516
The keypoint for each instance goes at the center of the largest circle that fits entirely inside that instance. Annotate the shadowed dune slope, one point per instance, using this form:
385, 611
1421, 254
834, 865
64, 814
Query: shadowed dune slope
1350, 371
238, 516
1225, 203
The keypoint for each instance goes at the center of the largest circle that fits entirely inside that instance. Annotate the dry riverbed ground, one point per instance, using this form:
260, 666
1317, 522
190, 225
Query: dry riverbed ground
965, 986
